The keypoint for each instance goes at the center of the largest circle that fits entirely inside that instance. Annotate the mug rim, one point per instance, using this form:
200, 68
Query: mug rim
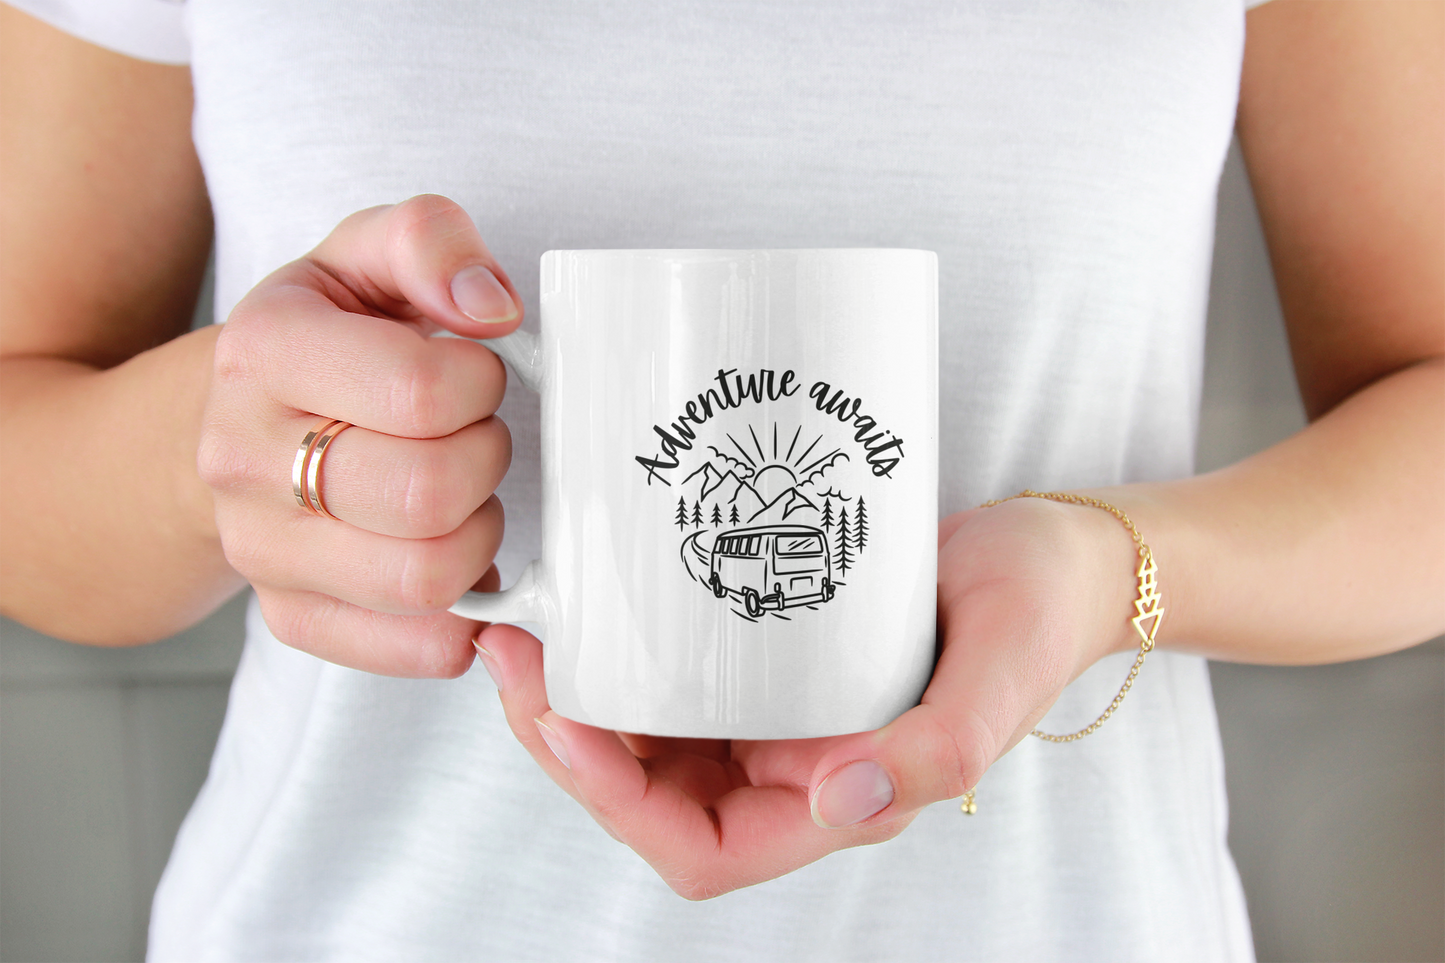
724, 251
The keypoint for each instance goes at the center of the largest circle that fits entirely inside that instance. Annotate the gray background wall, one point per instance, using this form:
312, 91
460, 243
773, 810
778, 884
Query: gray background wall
1336, 774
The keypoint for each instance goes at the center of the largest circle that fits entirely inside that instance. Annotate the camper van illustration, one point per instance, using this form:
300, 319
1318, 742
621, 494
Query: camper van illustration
771, 567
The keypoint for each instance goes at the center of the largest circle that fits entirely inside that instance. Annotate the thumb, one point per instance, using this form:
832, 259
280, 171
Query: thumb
422, 258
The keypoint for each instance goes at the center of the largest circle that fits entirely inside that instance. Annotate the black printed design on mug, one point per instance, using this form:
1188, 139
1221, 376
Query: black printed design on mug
761, 507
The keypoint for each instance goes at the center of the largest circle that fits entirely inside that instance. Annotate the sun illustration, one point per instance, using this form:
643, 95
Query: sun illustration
772, 480
772, 474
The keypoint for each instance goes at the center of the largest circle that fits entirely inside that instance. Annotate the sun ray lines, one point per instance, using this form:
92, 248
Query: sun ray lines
744, 451
789, 455
810, 448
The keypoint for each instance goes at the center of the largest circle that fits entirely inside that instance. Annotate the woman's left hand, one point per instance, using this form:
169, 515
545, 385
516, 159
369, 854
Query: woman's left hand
1030, 594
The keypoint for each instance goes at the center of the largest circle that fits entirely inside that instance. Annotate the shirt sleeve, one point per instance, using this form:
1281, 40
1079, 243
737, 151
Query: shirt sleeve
146, 29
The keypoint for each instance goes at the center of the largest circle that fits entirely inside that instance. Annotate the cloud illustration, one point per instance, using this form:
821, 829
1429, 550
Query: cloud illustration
823, 466
743, 469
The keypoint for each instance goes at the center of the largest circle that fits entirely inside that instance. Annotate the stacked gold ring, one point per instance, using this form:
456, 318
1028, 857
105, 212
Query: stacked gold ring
306, 469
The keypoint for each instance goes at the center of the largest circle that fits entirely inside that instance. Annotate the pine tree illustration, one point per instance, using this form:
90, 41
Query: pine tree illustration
681, 519
697, 514
716, 516
861, 536
844, 553
733, 516
827, 513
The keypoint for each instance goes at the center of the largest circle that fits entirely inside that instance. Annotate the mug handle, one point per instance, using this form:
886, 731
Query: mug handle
524, 601
521, 603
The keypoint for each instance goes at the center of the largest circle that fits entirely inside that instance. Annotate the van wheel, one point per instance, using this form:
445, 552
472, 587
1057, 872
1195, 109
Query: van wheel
717, 587
752, 602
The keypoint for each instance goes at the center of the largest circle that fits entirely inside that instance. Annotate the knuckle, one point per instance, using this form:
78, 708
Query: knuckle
220, 460
426, 495
450, 661
235, 353
244, 551
425, 583
351, 221
494, 514
229, 460
489, 454
423, 207
962, 756
422, 215
688, 889
291, 621
501, 444
430, 647
418, 395
696, 887
493, 379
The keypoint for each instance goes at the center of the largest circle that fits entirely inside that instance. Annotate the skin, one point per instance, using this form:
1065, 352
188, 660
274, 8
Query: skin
98, 388
165, 457
344, 331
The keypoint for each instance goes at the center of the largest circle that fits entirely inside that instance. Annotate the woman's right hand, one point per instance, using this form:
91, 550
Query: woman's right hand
345, 332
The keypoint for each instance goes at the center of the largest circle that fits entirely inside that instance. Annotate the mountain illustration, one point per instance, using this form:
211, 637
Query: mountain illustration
785, 505
707, 478
726, 488
729, 488
747, 500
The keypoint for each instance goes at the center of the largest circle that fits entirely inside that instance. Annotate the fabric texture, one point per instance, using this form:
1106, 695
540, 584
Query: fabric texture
1061, 157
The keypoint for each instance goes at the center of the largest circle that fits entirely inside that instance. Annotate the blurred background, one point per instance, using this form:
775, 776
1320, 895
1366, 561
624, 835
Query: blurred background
1336, 773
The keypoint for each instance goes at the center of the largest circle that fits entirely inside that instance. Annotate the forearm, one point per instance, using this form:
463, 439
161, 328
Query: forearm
1326, 547
109, 536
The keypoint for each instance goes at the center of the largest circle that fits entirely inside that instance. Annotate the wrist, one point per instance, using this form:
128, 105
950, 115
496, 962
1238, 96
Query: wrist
1154, 596
1117, 560
1100, 534
187, 365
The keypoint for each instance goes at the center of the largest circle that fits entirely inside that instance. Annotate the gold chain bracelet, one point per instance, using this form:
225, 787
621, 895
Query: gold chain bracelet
1148, 606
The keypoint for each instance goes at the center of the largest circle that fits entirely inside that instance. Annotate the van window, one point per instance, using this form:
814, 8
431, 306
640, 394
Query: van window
752, 548
794, 545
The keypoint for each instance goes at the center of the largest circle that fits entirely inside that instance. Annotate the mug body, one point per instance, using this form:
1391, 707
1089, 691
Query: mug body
740, 468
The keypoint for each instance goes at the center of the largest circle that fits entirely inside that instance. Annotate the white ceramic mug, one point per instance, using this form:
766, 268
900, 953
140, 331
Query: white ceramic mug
740, 487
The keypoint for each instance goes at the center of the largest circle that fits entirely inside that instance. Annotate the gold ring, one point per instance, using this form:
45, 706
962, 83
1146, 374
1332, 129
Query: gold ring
303, 455
306, 469
313, 466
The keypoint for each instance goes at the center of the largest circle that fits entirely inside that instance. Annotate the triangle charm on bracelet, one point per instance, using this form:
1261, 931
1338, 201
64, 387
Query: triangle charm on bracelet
1147, 604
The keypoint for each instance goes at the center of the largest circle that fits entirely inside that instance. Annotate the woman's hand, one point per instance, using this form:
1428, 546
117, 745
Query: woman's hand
344, 333
1030, 594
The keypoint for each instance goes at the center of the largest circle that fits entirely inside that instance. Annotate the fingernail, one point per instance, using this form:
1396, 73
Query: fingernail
553, 739
850, 794
490, 664
481, 297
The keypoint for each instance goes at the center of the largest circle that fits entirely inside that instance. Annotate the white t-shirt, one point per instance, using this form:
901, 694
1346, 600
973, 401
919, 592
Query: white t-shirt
1061, 157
